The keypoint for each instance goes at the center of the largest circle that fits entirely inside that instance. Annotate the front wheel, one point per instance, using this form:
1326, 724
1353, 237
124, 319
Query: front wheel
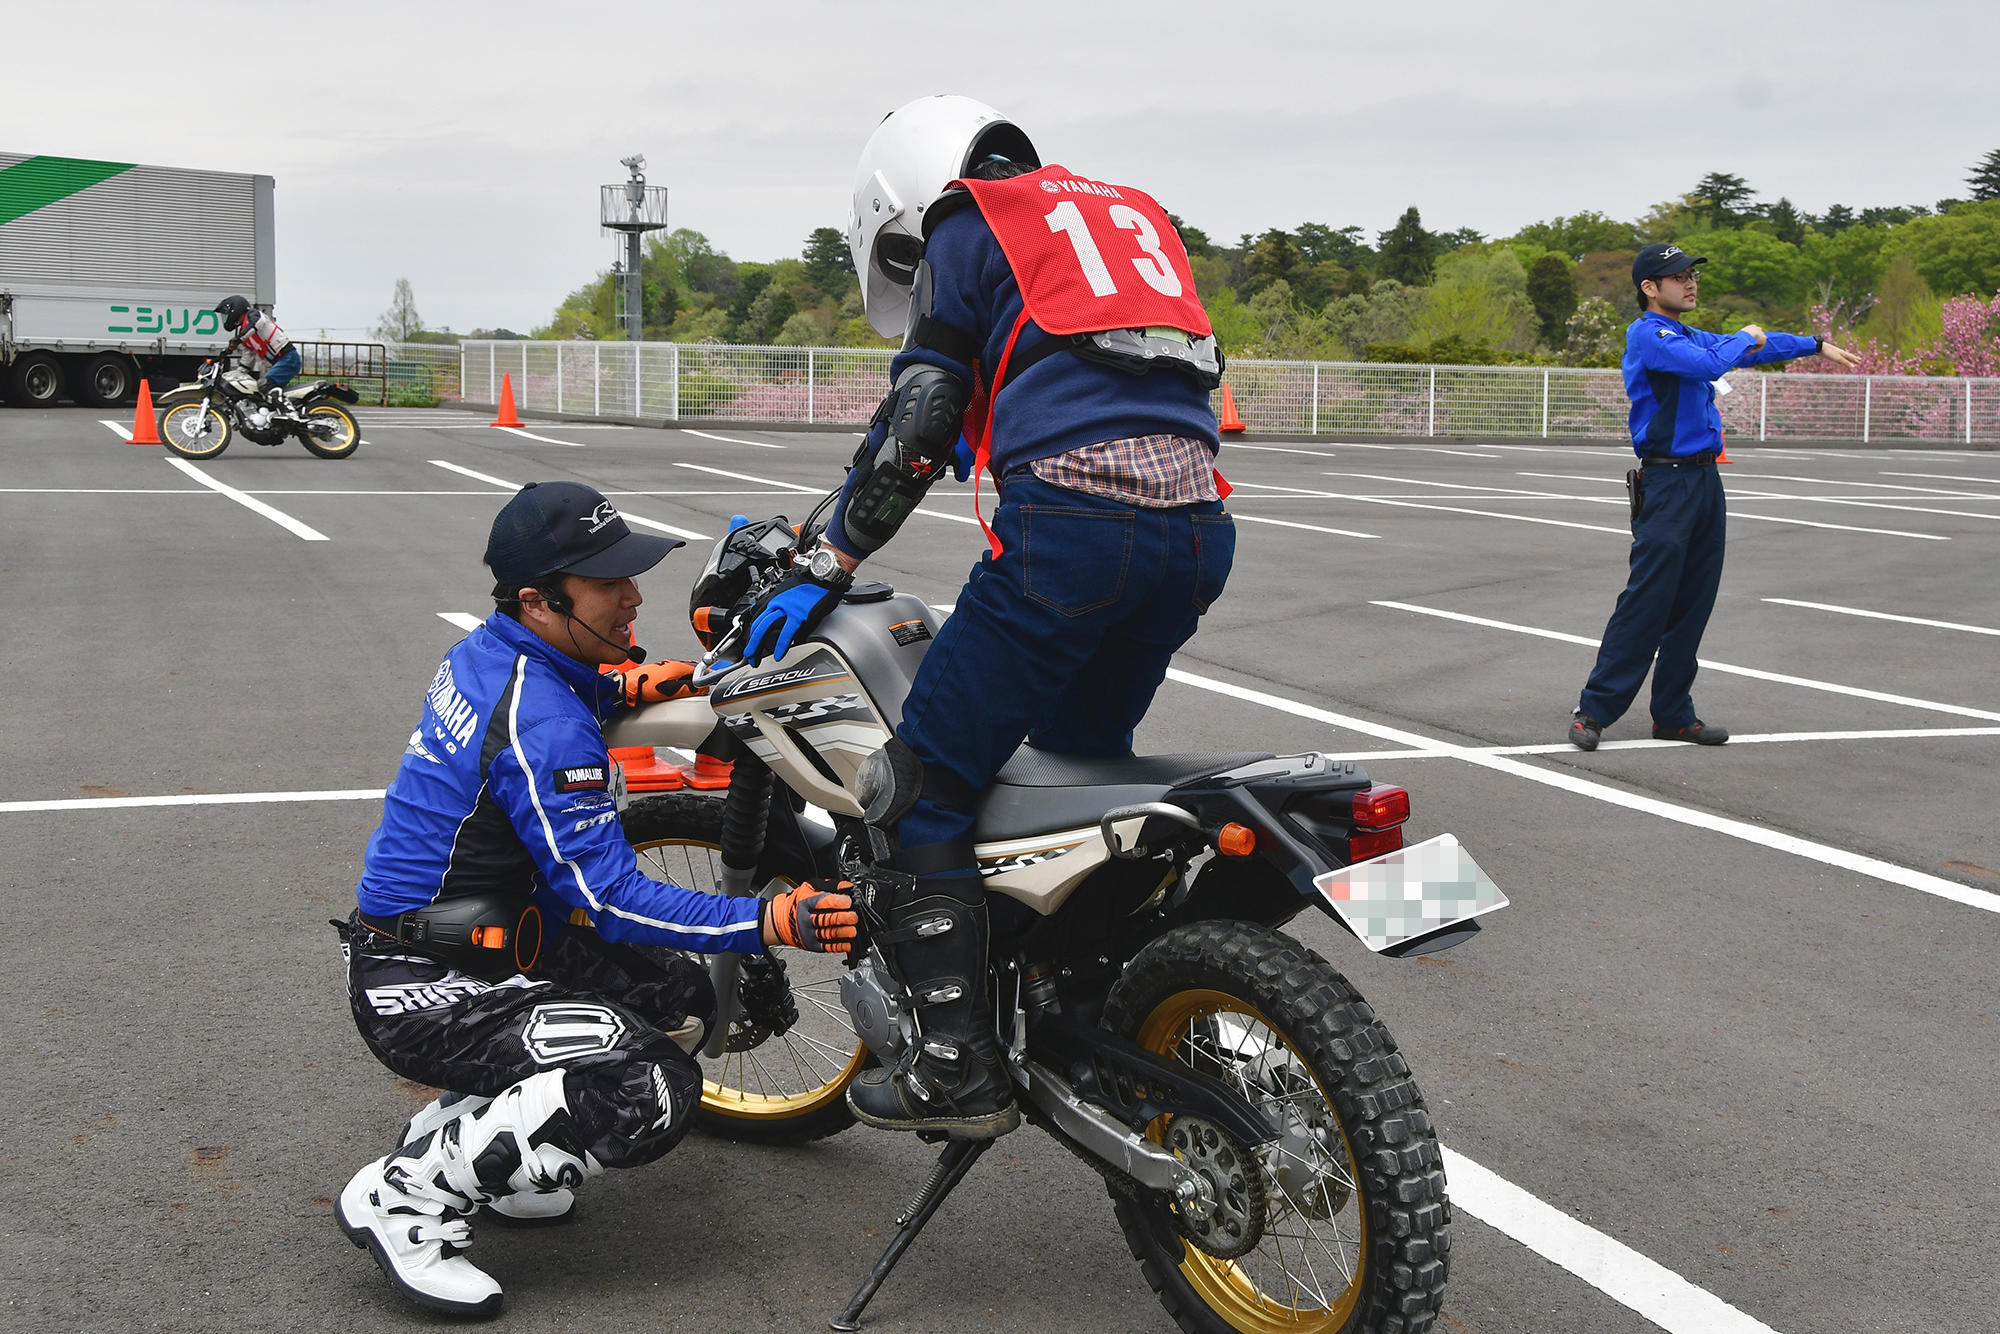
194, 432
1340, 1226
768, 1087
330, 431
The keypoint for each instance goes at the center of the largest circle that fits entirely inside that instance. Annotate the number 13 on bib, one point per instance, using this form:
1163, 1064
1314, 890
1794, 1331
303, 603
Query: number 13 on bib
1090, 256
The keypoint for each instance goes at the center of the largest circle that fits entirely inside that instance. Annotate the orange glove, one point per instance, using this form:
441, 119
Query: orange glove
652, 682
813, 919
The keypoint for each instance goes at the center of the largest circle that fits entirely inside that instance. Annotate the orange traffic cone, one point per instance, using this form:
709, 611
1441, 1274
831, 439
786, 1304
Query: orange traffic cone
707, 773
1722, 449
145, 431
507, 417
1231, 424
644, 770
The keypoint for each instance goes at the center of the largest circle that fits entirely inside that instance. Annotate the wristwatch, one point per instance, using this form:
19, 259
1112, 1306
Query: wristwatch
824, 567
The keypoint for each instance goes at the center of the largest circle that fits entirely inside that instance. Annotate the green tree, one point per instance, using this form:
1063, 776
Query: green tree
1193, 239
1906, 315
1578, 235
1837, 218
1957, 253
1480, 300
1382, 314
1596, 335
1751, 264
1326, 245
1676, 219
1552, 292
400, 320
1844, 264
1890, 215
1274, 259
829, 266
1720, 194
1786, 223
700, 267
1408, 251
1985, 178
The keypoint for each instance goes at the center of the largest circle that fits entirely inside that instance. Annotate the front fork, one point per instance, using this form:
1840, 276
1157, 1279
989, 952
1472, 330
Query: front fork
746, 815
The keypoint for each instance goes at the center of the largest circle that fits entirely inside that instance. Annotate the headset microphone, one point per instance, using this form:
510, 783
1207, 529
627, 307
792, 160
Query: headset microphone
566, 609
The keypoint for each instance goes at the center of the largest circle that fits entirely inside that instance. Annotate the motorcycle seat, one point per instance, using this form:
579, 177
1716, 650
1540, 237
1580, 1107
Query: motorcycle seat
1040, 791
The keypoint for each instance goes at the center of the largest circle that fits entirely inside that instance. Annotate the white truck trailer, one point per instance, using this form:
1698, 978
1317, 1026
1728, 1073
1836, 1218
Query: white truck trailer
110, 270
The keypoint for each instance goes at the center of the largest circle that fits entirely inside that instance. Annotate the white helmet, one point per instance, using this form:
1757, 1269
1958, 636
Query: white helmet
916, 151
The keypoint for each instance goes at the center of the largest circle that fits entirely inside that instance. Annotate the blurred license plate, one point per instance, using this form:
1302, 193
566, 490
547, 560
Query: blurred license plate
1400, 896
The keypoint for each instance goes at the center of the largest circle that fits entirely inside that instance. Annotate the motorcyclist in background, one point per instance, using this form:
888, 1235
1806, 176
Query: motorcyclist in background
260, 347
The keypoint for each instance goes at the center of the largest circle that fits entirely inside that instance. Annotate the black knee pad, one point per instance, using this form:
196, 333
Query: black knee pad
633, 1111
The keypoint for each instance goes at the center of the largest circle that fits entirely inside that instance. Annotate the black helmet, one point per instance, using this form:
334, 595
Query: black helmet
233, 310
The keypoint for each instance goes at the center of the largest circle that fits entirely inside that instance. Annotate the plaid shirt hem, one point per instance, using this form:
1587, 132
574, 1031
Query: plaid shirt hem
1149, 471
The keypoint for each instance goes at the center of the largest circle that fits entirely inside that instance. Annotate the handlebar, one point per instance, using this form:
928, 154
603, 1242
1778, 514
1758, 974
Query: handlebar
714, 665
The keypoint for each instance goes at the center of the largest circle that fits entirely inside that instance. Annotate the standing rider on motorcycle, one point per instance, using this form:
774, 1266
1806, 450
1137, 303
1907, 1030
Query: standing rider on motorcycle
1050, 327
260, 347
564, 1050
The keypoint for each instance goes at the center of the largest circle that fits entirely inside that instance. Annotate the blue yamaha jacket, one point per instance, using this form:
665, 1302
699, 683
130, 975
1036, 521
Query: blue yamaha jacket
505, 787
1058, 404
1670, 370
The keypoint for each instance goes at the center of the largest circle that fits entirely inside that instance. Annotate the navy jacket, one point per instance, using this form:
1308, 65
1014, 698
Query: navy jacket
1060, 403
1670, 370
505, 787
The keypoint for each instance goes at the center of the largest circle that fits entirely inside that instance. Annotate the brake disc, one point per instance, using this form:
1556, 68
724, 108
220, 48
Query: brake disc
1227, 1219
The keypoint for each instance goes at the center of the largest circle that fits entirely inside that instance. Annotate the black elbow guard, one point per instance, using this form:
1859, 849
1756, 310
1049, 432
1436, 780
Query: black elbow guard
924, 411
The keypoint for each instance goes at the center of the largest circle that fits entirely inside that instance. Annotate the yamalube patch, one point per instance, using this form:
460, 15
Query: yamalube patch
583, 778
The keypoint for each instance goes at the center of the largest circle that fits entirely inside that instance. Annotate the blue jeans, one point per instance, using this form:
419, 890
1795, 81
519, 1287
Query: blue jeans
284, 369
1676, 569
1063, 639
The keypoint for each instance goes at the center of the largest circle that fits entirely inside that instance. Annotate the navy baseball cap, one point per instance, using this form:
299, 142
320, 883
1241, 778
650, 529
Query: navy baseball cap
1660, 259
567, 528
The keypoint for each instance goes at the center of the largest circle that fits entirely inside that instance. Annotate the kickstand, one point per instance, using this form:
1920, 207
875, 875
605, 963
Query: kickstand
952, 1165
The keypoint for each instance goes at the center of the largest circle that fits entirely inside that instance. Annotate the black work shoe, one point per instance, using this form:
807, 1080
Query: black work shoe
957, 1094
1699, 732
1585, 731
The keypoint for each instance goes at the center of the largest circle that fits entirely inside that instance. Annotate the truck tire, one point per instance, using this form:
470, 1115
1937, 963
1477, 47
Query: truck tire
108, 380
35, 380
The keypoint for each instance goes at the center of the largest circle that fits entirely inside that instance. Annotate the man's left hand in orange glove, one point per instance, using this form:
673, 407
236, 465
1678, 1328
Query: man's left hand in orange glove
653, 682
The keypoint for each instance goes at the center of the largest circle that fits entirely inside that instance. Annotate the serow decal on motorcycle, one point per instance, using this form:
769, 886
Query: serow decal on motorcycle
1268, 1155
204, 415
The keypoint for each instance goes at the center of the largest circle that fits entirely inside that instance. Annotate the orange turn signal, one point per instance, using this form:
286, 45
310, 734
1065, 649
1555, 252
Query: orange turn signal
489, 937
1235, 840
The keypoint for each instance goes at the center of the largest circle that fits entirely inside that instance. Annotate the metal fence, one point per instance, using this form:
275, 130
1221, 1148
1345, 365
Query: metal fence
842, 386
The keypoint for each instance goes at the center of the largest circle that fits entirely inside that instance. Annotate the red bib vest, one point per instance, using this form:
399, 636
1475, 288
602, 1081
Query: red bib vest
1087, 256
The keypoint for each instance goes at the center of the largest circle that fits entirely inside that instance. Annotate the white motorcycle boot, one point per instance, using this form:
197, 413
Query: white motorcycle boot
526, 1209
410, 1208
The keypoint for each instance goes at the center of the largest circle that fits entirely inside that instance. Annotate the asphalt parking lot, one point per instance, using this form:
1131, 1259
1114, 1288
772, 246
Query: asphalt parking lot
1727, 1063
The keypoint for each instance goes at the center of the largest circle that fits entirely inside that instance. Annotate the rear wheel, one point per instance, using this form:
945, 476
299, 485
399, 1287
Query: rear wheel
768, 1087
1340, 1225
35, 380
104, 381
194, 432
331, 431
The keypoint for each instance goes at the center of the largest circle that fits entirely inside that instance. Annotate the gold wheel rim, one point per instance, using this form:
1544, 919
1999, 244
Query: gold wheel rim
173, 426
1322, 1262
788, 1075
349, 428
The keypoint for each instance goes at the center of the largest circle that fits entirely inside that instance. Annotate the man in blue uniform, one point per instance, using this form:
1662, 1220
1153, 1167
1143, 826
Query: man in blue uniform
489, 953
1678, 505
1110, 538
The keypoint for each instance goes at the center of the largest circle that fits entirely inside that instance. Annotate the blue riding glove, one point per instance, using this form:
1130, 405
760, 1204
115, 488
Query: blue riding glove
961, 460
792, 607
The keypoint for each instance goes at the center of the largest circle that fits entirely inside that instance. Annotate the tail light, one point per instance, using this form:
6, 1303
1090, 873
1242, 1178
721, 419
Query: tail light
1379, 813
1381, 807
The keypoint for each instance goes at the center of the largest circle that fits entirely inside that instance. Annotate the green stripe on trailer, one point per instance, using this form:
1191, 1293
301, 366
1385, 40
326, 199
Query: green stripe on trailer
41, 181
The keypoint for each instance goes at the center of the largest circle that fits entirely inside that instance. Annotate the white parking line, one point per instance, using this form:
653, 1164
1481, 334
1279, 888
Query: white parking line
730, 439
1865, 486
1735, 739
1823, 853
1309, 527
1886, 616
186, 799
1946, 477
1610, 1266
465, 621
815, 490
1707, 664
251, 503
1773, 518
530, 435
630, 517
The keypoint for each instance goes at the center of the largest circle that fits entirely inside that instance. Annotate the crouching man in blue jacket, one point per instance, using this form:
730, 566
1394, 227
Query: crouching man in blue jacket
489, 953
1678, 513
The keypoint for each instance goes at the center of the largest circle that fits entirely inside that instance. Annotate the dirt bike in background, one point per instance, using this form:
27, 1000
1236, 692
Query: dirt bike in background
205, 414
1268, 1155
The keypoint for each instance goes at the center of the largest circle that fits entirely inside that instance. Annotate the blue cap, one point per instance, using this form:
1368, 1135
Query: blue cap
1661, 259
567, 528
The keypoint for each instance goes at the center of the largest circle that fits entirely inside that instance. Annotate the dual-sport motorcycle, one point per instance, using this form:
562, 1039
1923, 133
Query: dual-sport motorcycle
1268, 1155
203, 415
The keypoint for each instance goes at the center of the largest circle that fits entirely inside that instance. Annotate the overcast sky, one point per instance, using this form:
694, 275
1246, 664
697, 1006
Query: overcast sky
461, 145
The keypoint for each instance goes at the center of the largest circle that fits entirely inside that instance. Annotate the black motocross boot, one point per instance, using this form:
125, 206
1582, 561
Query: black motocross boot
953, 1079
